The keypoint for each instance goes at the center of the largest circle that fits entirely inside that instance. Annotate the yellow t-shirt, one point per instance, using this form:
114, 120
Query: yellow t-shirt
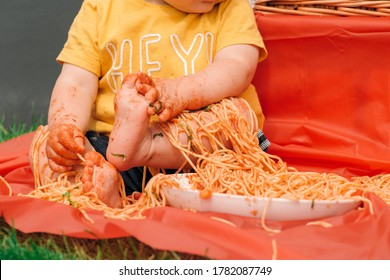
112, 38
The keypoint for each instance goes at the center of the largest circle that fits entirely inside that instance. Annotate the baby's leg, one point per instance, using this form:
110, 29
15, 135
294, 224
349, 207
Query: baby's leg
130, 138
98, 175
136, 142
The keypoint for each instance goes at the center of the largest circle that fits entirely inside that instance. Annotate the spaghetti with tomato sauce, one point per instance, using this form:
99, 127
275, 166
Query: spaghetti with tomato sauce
243, 169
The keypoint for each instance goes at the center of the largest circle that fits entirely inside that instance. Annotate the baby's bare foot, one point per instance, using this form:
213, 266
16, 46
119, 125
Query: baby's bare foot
129, 140
102, 178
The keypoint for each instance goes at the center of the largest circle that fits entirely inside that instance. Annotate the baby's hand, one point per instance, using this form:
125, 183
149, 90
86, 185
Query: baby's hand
166, 104
65, 141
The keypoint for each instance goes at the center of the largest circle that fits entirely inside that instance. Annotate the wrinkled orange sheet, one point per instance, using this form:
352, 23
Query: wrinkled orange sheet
325, 89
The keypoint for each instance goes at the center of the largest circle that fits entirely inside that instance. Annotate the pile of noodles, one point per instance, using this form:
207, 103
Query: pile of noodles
242, 169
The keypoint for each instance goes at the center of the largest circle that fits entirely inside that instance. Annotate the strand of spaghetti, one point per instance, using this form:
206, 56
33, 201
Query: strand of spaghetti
33, 160
263, 215
42, 140
33, 148
81, 157
181, 167
122, 192
8, 186
369, 202
274, 250
223, 221
39, 137
85, 215
319, 223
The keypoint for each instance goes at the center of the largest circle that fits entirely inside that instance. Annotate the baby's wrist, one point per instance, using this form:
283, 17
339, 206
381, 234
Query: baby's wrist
182, 93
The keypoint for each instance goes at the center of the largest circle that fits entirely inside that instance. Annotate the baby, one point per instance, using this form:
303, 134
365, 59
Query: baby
189, 54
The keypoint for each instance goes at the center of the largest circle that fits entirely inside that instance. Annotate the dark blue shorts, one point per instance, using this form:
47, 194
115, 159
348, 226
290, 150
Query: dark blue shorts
133, 177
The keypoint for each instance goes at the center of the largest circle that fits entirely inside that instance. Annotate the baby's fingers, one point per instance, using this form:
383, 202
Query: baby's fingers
59, 158
54, 146
57, 163
73, 140
155, 107
165, 111
58, 168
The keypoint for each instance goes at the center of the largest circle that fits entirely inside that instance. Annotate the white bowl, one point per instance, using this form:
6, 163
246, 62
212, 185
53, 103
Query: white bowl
278, 209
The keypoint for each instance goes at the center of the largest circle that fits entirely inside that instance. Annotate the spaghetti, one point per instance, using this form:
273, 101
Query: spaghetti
232, 163
6, 185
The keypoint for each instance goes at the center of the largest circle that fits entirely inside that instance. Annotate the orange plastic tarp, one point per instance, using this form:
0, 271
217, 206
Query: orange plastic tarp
325, 89
325, 92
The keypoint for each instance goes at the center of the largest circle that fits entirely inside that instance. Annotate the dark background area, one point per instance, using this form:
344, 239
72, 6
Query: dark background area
32, 33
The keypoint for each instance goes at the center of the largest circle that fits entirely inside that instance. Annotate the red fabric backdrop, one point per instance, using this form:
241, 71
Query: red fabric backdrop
325, 89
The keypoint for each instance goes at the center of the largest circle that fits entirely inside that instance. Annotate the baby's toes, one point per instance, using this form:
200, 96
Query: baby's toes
86, 179
93, 158
130, 80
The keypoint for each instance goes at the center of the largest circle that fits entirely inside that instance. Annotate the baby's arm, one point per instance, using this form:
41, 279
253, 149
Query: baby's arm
230, 74
69, 114
72, 97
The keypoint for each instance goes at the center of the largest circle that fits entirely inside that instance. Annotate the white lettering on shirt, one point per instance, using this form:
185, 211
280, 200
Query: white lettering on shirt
185, 55
144, 43
115, 74
209, 46
125, 52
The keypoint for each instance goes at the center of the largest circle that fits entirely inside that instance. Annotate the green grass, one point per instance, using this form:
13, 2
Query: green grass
16, 129
15, 245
